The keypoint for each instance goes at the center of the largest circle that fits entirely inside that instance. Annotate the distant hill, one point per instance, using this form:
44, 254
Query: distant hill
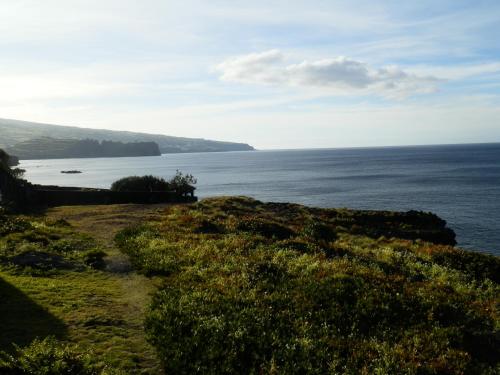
13, 132
50, 148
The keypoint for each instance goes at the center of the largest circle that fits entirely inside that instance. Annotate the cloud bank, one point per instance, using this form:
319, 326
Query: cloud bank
338, 75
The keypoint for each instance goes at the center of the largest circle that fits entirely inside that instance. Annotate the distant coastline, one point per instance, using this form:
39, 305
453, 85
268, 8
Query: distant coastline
459, 183
51, 148
15, 132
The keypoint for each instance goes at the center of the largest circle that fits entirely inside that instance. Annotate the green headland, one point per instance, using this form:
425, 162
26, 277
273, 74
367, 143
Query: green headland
234, 285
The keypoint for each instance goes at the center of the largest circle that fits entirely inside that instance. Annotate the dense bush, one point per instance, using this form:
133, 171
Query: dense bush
6, 162
180, 183
263, 227
46, 246
136, 183
94, 258
13, 224
318, 231
48, 357
253, 301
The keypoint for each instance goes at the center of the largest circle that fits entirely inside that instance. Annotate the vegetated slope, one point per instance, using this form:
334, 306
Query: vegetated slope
50, 148
262, 288
13, 132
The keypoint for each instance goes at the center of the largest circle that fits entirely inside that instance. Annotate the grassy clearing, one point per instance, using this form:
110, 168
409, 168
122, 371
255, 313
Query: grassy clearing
250, 287
62, 295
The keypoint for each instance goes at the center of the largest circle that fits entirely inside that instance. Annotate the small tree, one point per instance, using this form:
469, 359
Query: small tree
182, 183
5, 166
4, 161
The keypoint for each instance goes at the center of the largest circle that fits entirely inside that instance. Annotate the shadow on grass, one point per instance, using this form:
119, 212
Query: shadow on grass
22, 320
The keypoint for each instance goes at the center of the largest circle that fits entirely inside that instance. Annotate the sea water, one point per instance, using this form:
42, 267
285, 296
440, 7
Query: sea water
460, 183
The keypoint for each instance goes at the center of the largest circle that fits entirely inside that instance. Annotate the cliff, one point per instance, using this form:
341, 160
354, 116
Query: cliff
51, 148
13, 132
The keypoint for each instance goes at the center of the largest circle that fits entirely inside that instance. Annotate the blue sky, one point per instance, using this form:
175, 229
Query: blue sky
275, 74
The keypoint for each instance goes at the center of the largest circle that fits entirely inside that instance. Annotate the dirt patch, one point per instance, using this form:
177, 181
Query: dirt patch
103, 222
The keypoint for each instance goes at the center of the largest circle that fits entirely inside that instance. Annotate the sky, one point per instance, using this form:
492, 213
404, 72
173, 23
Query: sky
274, 74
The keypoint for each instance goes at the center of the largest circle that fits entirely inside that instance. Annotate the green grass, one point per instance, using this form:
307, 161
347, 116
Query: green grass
250, 287
69, 299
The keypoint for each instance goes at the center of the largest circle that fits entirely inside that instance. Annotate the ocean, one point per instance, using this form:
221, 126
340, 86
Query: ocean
460, 183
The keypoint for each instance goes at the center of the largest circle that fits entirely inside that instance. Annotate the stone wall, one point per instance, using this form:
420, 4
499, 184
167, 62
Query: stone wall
66, 197
25, 194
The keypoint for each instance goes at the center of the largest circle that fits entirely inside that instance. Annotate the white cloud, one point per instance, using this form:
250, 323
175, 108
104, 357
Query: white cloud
459, 71
340, 74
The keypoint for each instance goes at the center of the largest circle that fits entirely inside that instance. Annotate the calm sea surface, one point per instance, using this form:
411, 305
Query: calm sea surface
460, 183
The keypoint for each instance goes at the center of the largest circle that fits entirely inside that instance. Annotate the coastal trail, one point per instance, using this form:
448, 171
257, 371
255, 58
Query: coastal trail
104, 222
133, 292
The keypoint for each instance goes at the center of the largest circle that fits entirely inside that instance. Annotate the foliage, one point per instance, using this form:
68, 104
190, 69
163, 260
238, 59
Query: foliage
13, 224
324, 298
51, 148
46, 246
143, 183
263, 227
6, 162
18, 136
182, 183
53, 282
48, 357
318, 231
4, 159
94, 258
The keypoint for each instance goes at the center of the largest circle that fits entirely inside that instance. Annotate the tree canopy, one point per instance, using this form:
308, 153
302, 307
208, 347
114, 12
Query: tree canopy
180, 183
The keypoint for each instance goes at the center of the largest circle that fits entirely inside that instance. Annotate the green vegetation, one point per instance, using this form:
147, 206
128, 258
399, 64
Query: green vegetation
51, 148
142, 183
15, 132
242, 286
57, 280
48, 357
7, 162
41, 247
180, 183
258, 288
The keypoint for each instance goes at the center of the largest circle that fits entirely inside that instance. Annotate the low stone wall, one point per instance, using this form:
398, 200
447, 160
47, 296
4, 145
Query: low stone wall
68, 197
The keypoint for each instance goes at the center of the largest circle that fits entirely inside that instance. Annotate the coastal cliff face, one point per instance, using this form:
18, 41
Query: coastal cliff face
14, 132
50, 148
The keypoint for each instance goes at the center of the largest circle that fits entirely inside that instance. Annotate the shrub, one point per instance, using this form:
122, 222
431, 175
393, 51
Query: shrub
265, 299
144, 183
13, 224
319, 231
208, 227
264, 227
6, 162
48, 357
94, 258
182, 183
477, 265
